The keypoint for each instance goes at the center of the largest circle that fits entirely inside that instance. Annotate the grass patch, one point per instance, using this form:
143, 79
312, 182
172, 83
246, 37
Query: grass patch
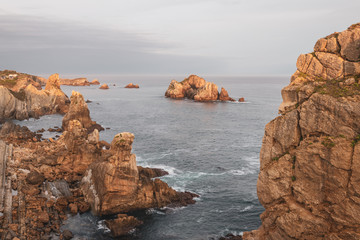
328, 143
333, 89
293, 178
355, 141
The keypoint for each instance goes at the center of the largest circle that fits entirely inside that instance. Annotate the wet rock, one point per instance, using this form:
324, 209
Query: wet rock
242, 99
152, 172
67, 235
122, 225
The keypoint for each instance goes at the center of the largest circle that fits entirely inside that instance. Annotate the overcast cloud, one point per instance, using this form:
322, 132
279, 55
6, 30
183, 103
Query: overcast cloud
224, 37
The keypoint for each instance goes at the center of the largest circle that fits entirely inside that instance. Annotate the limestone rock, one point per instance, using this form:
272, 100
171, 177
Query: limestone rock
116, 185
131, 85
95, 82
224, 96
78, 110
122, 225
104, 86
309, 159
31, 102
175, 90
209, 92
196, 88
74, 82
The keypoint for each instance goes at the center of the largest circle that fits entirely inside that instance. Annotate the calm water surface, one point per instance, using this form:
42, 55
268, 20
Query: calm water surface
211, 149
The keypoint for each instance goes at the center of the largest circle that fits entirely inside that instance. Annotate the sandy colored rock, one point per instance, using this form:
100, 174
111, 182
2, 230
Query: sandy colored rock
131, 85
175, 90
79, 110
310, 156
104, 86
209, 92
224, 96
74, 82
115, 185
95, 82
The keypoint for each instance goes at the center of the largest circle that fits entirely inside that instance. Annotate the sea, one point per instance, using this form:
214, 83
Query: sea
211, 149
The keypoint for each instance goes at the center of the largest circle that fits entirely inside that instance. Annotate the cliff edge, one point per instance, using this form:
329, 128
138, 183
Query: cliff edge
310, 156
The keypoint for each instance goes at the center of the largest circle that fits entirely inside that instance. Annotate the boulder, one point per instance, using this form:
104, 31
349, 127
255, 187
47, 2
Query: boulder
241, 99
175, 90
122, 225
131, 85
224, 96
95, 82
104, 86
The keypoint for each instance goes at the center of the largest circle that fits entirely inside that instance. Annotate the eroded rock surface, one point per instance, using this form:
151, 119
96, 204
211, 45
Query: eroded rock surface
309, 159
196, 88
31, 102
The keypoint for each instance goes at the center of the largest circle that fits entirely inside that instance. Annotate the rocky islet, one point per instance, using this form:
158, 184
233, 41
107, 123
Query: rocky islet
196, 88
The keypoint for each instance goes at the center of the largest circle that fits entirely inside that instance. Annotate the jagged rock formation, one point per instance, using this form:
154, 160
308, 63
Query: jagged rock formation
116, 185
196, 88
310, 157
74, 82
31, 102
40, 180
131, 85
78, 110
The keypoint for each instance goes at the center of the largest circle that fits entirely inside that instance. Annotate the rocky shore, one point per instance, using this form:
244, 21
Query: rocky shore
310, 156
196, 88
42, 181
24, 98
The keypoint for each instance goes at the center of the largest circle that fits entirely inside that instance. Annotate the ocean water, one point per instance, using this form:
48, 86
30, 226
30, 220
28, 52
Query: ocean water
211, 149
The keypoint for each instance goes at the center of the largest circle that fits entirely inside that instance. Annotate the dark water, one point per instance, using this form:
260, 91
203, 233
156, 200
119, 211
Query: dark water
211, 149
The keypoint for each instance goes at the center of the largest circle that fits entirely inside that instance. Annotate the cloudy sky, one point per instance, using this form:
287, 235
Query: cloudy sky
219, 37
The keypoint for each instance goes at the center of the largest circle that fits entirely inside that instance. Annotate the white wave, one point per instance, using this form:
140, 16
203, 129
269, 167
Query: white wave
102, 226
151, 211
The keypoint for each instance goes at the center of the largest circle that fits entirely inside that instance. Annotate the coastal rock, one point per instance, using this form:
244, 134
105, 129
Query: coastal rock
175, 90
74, 82
122, 225
104, 86
95, 82
209, 92
131, 85
31, 102
309, 157
241, 99
224, 96
196, 88
79, 110
115, 185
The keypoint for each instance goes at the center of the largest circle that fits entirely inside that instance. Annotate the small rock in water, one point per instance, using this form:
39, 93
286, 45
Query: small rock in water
67, 235
242, 99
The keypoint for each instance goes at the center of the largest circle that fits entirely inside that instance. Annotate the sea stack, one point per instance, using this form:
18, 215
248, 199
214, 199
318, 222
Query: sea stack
131, 85
196, 88
310, 157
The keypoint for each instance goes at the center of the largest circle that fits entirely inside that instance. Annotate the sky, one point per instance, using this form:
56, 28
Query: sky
205, 37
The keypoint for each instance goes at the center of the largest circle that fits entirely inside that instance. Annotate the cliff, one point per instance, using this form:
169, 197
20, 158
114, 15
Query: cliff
310, 156
18, 102
42, 182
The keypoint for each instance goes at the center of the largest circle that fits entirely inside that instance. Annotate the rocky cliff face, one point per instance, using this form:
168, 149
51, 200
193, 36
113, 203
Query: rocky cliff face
196, 88
310, 157
31, 102
71, 175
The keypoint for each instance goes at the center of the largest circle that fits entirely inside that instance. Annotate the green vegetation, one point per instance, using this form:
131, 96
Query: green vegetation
328, 143
293, 178
335, 89
8, 83
355, 141
275, 158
